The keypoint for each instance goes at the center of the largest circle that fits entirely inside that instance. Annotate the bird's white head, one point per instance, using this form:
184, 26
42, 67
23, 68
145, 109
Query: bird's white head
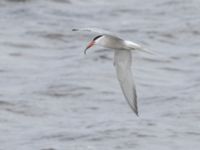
94, 41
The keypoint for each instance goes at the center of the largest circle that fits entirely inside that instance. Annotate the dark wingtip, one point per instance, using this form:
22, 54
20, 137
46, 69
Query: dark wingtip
137, 114
74, 29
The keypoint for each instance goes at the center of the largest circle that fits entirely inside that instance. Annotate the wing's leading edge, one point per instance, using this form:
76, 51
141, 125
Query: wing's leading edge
95, 30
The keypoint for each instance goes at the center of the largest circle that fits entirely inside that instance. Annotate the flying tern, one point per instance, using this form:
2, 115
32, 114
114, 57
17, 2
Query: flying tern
122, 61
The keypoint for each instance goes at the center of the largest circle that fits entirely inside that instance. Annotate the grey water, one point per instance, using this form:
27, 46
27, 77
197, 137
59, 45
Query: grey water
53, 97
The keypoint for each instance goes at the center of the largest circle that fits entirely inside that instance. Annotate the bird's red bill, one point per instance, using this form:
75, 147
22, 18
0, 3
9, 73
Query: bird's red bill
90, 44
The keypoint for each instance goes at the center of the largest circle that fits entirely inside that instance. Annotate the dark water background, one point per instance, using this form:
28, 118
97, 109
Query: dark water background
52, 97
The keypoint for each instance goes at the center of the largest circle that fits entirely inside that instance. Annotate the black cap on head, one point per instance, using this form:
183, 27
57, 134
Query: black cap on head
97, 37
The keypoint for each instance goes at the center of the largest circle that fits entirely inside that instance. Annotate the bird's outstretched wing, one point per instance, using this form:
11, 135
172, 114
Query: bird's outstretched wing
122, 63
95, 30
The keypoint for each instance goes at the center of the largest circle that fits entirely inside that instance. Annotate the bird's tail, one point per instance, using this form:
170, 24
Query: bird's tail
134, 46
158, 55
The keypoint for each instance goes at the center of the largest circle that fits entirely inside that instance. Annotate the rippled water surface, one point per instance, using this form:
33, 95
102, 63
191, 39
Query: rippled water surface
53, 97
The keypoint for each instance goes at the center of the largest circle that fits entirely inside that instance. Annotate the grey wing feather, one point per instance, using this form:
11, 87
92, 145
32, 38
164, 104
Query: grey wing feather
122, 62
95, 30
